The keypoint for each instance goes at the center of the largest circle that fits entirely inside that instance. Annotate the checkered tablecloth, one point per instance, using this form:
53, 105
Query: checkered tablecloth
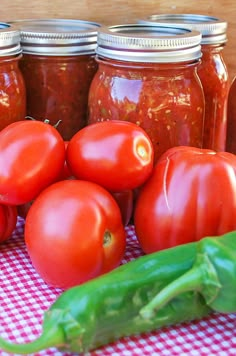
24, 297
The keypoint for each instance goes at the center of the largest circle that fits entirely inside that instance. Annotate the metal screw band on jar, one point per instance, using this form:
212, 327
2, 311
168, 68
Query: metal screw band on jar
58, 36
145, 43
9, 40
213, 29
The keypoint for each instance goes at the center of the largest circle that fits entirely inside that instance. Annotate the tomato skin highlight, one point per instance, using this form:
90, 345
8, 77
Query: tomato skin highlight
190, 195
32, 154
118, 155
74, 232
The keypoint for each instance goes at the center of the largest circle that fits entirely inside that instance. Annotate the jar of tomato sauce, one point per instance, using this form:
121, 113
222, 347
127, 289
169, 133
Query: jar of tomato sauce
58, 65
12, 86
147, 75
231, 119
212, 70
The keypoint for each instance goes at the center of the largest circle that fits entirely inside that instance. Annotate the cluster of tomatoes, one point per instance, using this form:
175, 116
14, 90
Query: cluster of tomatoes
76, 196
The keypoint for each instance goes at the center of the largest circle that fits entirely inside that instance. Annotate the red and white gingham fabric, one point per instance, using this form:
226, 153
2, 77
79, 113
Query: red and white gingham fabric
24, 297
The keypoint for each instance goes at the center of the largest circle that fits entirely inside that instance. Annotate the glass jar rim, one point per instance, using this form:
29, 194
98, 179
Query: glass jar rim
145, 43
57, 36
9, 40
213, 29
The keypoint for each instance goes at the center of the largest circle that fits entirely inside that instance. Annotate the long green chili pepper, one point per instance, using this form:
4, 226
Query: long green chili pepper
167, 287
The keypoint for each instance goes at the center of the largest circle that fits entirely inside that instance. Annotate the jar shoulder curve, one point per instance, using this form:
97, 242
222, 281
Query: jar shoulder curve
133, 82
69, 65
118, 80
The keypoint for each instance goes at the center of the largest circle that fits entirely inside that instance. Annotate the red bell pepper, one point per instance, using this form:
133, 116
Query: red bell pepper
191, 194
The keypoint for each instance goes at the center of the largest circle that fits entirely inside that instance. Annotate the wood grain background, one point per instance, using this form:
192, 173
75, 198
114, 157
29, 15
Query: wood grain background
109, 12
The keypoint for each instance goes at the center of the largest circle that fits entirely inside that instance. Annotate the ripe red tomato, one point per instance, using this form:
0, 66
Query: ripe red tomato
74, 232
118, 155
191, 194
8, 220
32, 154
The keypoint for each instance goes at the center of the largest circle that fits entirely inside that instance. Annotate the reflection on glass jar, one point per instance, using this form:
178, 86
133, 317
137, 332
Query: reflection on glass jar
12, 86
145, 85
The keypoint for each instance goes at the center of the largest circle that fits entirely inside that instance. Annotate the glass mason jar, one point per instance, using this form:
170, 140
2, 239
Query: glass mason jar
212, 71
58, 65
12, 86
231, 119
147, 75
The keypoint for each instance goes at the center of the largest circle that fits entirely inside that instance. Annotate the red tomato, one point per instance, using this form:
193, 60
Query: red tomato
125, 201
74, 232
8, 220
118, 155
32, 154
191, 194
64, 174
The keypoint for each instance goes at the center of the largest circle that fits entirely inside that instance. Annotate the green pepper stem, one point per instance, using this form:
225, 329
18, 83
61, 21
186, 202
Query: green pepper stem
202, 277
50, 339
187, 282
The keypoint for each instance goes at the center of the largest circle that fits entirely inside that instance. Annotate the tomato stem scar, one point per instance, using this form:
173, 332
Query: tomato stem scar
107, 238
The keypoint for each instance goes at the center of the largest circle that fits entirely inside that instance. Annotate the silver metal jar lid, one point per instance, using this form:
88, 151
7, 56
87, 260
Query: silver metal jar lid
213, 29
144, 43
57, 36
9, 40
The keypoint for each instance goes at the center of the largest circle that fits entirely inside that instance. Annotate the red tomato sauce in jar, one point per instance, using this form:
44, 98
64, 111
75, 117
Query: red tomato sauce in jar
58, 89
161, 94
214, 77
212, 70
58, 65
12, 86
231, 119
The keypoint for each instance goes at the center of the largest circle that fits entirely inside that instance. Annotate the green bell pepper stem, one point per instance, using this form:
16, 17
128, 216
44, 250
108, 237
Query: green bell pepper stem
202, 275
213, 275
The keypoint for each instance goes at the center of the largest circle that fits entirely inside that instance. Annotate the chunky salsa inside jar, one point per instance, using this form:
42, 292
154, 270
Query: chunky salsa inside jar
12, 92
57, 89
166, 100
214, 77
231, 119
